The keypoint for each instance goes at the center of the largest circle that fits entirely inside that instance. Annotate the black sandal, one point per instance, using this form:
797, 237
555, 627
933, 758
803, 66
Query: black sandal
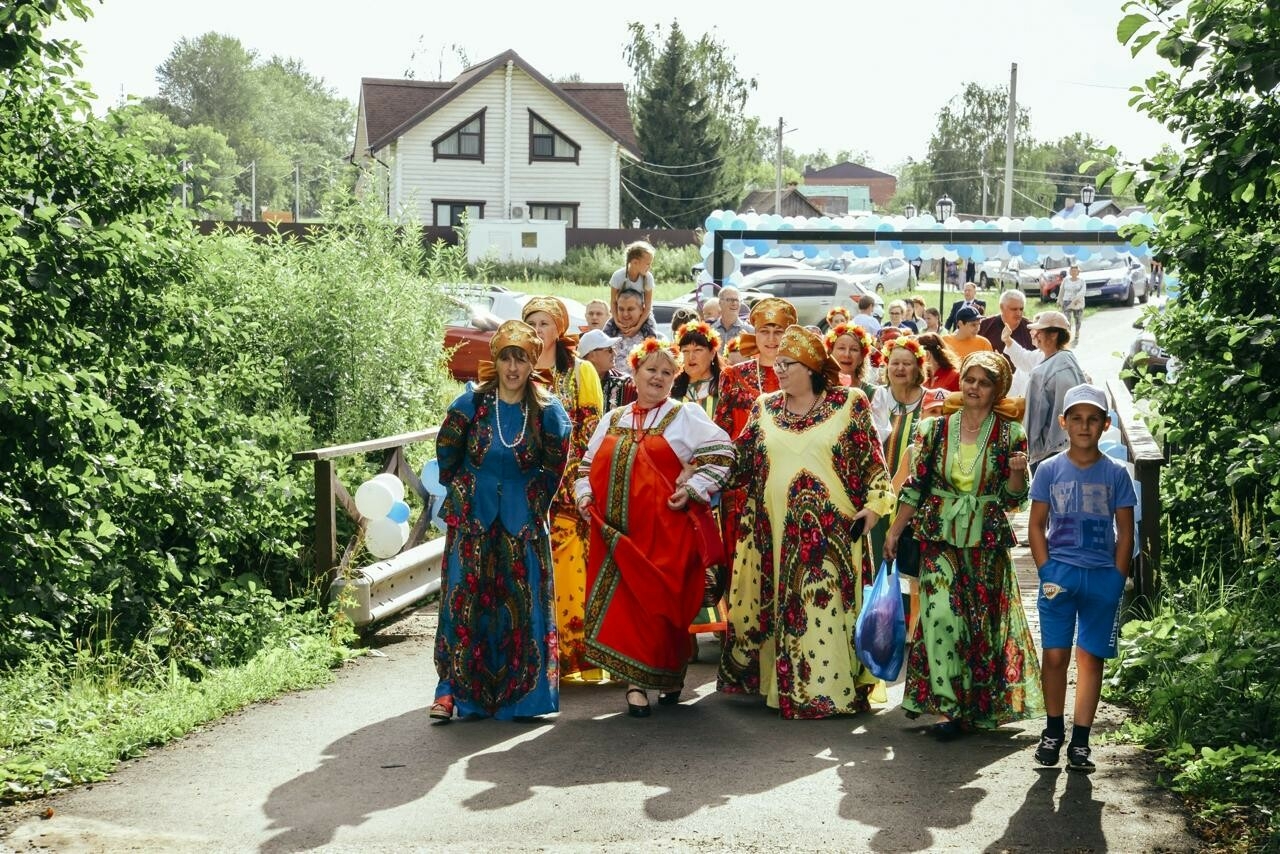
638, 711
947, 730
669, 698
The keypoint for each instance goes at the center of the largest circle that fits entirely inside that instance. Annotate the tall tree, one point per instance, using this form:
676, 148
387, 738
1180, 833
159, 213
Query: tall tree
681, 182
274, 114
742, 142
966, 152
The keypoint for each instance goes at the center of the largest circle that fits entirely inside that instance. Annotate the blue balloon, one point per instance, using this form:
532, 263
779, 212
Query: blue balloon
738, 224
1030, 254
1072, 251
431, 478
399, 512
1014, 247
712, 222
1083, 253
810, 251
786, 226
965, 251
911, 251
735, 247
861, 250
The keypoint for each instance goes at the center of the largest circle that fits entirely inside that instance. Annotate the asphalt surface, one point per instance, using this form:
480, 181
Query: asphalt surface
356, 766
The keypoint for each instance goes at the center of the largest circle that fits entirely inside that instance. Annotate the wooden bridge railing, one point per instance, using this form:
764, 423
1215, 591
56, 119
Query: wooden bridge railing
331, 493
1147, 459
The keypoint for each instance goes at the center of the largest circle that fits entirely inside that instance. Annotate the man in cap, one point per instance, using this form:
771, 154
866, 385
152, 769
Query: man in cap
597, 348
965, 339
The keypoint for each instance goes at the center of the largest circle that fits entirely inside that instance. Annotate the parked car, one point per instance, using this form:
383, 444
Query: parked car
747, 266
881, 275
989, 272
1017, 273
506, 304
467, 332
1146, 356
1051, 275
812, 292
1122, 279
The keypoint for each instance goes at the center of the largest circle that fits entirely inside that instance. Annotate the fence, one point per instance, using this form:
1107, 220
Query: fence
1147, 459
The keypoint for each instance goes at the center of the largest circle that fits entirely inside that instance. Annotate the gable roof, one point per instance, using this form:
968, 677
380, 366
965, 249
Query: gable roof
762, 201
392, 107
845, 171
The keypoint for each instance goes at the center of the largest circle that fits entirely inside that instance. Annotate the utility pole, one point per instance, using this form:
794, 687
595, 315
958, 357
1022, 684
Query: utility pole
253, 190
1008, 141
777, 192
297, 200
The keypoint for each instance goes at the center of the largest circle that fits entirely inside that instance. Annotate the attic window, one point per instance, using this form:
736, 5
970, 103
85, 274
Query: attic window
547, 143
462, 142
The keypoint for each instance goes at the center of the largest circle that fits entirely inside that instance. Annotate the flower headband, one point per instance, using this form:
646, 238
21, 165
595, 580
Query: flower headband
837, 314
734, 343
648, 347
905, 342
853, 330
702, 329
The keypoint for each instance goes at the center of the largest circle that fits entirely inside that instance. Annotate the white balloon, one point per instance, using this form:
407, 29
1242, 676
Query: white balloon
374, 498
385, 538
395, 484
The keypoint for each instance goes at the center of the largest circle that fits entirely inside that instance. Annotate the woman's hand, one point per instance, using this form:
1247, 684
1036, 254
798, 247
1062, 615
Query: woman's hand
1007, 334
1018, 461
686, 472
679, 499
584, 507
870, 516
890, 545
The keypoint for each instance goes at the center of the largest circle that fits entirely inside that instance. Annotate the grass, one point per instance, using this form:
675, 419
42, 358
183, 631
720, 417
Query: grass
62, 726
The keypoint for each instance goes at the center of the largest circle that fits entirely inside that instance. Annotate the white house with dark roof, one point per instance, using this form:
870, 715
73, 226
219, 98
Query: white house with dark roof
500, 141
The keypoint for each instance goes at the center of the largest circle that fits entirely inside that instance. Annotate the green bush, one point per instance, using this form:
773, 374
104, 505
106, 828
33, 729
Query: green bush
593, 266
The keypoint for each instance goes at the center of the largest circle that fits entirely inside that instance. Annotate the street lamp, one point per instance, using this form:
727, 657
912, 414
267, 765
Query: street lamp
1087, 193
635, 222
909, 211
943, 208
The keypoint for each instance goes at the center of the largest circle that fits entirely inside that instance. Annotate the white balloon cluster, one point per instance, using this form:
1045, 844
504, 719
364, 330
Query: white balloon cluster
381, 501
887, 246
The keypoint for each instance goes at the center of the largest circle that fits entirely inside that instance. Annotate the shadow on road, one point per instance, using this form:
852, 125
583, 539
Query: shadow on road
1074, 821
391, 763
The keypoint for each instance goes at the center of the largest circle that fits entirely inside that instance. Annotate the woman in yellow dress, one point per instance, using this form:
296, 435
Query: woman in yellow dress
577, 385
815, 480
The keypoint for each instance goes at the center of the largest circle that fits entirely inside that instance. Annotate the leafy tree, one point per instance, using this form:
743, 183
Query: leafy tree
1219, 229
966, 150
741, 142
274, 115
673, 120
206, 162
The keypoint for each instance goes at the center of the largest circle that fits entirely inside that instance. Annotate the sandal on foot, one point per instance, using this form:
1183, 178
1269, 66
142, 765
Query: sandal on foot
638, 711
441, 710
669, 698
947, 730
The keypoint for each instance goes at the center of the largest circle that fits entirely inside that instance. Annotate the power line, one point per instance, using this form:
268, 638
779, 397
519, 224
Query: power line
648, 210
637, 165
647, 191
685, 166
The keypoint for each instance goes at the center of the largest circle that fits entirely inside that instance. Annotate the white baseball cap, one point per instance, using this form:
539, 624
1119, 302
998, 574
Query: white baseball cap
594, 339
1085, 393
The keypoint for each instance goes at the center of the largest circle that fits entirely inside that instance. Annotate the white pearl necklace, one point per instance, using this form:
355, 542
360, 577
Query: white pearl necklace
524, 422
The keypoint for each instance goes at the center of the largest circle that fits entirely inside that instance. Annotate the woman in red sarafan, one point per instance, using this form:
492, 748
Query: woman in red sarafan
653, 466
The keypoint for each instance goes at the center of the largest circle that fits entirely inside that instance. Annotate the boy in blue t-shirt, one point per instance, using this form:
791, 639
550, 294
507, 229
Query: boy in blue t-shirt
1081, 537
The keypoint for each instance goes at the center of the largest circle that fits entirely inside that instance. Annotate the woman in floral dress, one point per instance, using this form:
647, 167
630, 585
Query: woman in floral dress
971, 659
814, 478
648, 476
577, 385
502, 450
742, 383
851, 346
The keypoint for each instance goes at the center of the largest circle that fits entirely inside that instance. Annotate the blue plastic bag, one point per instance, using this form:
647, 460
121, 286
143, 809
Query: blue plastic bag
881, 634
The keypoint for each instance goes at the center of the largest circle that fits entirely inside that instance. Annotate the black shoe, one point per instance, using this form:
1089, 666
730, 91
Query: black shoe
1050, 749
1078, 758
668, 698
947, 730
638, 711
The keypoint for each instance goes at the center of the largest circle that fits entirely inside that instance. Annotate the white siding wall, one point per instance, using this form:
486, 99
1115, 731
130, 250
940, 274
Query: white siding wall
419, 179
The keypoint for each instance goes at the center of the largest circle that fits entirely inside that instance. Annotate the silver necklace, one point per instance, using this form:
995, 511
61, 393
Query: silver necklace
524, 422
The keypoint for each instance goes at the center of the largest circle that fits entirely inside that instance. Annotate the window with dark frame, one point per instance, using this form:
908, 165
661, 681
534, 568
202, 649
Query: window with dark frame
546, 142
450, 211
463, 141
564, 211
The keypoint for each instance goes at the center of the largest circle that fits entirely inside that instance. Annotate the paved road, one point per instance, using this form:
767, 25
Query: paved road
355, 766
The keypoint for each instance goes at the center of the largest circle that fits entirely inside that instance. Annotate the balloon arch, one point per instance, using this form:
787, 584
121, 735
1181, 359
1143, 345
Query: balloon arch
730, 236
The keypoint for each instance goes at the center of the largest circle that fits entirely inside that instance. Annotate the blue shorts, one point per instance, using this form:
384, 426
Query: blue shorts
1091, 597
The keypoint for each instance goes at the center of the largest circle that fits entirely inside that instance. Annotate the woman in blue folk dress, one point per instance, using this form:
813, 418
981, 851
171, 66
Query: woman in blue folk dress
502, 450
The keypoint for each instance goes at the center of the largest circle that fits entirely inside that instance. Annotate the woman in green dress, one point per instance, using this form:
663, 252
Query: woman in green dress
971, 659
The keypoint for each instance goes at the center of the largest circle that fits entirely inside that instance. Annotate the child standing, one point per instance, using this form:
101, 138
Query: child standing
635, 276
1081, 537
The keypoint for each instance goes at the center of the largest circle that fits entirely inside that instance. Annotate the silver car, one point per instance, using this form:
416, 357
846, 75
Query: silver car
881, 275
812, 292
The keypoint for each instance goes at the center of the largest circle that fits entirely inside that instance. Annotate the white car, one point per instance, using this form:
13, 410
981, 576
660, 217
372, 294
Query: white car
881, 275
812, 292
1019, 274
506, 304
